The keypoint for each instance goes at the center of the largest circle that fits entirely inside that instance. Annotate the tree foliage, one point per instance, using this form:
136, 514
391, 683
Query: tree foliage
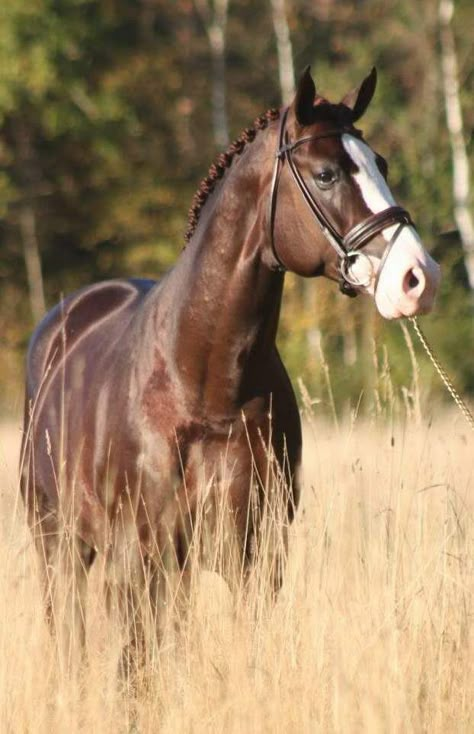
106, 129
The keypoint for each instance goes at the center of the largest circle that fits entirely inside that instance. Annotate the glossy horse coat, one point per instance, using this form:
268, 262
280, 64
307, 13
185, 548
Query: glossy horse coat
138, 392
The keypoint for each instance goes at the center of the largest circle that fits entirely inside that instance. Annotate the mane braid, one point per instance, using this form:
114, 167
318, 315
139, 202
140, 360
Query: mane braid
219, 167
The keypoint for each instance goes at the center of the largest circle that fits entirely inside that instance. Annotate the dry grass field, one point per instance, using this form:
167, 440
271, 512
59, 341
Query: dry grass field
372, 632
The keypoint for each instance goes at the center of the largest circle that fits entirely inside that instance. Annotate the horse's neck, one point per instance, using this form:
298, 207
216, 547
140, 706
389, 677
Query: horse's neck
226, 299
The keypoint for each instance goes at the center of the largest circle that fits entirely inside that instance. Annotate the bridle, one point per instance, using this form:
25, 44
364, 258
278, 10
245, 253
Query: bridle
348, 247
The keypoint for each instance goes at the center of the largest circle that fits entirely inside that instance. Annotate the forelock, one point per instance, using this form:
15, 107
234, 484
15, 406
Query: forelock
338, 115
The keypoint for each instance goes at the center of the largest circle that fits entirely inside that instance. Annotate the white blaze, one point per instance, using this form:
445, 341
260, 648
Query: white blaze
395, 296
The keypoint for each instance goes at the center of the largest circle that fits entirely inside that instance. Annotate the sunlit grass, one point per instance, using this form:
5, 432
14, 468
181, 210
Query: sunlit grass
372, 630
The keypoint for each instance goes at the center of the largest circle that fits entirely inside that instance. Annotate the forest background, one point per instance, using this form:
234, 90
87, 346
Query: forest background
112, 111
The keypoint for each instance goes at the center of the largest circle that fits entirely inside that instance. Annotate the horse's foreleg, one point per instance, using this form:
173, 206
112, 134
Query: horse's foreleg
127, 601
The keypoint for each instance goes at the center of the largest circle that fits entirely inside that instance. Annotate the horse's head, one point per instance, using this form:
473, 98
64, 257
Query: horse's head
332, 211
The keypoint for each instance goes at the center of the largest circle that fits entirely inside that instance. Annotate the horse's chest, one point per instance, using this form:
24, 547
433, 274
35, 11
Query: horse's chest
225, 451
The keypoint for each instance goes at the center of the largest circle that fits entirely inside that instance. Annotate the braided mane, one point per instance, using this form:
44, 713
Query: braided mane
218, 168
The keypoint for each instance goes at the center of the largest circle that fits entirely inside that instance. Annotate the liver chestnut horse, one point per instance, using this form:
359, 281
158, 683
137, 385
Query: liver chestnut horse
135, 387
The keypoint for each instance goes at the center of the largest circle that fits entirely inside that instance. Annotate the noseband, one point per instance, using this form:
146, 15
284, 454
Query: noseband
348, 246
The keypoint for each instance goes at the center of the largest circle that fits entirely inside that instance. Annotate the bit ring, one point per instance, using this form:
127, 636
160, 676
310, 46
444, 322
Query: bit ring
346, 263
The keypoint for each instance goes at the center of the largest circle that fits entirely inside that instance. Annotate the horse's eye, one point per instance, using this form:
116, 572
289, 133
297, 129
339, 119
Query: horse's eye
326, 178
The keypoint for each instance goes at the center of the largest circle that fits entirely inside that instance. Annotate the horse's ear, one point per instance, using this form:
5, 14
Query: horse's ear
358, 99
304, 99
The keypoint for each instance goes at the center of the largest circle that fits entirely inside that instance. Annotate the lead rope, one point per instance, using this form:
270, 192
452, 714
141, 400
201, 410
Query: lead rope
442, 373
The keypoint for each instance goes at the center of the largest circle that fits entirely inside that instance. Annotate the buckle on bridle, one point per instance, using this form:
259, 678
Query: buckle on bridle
283, 150
347, 289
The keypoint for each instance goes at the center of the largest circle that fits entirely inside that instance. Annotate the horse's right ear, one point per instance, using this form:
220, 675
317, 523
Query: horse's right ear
304, 99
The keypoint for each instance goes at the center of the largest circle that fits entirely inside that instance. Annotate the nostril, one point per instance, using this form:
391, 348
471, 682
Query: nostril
414, 282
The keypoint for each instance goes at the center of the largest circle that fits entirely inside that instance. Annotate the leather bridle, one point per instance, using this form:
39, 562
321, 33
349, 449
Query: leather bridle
348, 247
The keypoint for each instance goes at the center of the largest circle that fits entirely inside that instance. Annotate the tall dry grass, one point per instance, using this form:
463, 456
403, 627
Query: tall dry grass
371, 632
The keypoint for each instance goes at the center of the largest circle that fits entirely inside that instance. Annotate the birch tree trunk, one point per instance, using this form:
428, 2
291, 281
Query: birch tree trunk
461, 173
286, 69
27, 221
214, 16
31, 254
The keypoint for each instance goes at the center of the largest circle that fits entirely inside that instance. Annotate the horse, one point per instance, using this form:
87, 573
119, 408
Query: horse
135, 388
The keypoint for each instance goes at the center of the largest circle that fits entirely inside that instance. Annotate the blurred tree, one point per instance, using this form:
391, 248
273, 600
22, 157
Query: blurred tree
107, 124
29, 180
214, 16
286, 71
461, 172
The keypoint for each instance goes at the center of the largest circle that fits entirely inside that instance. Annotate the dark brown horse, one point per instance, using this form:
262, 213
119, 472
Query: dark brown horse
136, 389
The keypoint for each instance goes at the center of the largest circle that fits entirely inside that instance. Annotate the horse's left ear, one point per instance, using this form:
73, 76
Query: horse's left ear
304, 99
358, 99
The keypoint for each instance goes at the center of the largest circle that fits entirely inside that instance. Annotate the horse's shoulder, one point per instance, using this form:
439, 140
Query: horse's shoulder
78, 314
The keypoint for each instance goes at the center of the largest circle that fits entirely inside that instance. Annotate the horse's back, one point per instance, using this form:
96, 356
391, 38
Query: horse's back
107, 304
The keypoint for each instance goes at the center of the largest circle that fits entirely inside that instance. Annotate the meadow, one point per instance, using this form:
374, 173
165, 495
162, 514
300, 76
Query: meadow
371, 632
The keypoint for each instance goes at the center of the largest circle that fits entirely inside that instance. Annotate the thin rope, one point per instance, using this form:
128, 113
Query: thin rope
443, 374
